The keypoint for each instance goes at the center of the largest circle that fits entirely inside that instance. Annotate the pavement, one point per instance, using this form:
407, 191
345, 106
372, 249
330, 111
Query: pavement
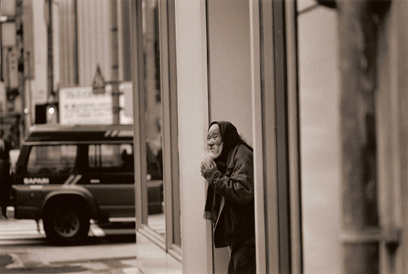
98, 256
21, 263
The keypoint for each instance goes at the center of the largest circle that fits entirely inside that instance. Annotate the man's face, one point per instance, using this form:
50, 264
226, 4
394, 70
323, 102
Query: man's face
214, 140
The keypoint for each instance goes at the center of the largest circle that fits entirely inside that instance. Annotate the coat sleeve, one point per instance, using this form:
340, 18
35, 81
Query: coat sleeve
238, 186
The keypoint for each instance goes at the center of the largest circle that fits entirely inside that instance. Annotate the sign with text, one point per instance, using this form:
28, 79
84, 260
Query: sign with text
80, 105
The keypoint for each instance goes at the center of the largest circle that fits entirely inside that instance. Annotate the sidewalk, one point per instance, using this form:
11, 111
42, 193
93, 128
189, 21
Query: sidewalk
23, 251
87, 259
13, 263
113, 259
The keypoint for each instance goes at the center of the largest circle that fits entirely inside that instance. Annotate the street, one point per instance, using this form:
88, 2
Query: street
24, 249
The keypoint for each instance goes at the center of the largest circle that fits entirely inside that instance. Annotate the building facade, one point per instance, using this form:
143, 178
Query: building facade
316, 87
281, 71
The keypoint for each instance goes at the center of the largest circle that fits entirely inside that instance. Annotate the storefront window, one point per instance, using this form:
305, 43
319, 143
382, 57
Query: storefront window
156, 57
153, 115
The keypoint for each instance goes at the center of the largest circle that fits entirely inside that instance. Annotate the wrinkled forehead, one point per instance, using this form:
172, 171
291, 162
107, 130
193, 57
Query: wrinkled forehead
214, 129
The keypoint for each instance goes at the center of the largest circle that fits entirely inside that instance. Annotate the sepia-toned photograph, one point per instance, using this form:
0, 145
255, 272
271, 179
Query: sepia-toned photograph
203, 136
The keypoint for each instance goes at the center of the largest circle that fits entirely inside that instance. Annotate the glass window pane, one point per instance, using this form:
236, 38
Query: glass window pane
92, 157
51, 159
111, 156
155, 182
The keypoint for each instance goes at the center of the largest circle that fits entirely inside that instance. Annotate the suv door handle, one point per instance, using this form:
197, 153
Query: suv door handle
95, 181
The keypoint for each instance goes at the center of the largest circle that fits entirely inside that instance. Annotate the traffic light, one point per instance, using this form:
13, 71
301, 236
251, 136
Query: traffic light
46, 113
52, 114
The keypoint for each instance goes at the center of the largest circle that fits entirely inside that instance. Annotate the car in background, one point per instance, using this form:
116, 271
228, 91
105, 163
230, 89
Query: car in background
69, 175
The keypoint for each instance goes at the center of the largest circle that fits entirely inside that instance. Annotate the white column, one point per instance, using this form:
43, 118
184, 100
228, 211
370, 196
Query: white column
193, 122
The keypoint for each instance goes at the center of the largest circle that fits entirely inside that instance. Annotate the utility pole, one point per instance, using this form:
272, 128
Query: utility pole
152, 69
52, 115
50, 58
114, 62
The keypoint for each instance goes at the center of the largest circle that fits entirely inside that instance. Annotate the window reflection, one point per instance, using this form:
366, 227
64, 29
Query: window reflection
156, 220
58, 159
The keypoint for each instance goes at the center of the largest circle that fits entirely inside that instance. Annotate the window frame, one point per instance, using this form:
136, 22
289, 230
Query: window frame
168, 67
171, 243
276, 138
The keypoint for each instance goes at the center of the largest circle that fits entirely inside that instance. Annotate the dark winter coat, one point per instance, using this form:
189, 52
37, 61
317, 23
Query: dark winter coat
236, 220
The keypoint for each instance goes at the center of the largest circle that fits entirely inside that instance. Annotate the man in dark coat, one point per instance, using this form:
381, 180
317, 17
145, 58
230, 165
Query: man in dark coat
228, 169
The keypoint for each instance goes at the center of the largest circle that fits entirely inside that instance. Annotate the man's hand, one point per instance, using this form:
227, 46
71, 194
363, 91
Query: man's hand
207, 169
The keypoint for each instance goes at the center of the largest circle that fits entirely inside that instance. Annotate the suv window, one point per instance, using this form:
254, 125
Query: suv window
113, 157
51, 159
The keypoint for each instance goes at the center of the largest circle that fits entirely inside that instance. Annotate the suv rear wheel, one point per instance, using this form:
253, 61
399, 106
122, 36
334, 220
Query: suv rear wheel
66, 225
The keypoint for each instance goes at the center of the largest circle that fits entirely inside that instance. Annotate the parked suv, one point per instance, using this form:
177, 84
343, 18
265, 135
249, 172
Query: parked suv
68, 175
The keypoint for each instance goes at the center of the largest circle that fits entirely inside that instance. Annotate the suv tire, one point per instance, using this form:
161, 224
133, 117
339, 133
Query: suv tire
66, 225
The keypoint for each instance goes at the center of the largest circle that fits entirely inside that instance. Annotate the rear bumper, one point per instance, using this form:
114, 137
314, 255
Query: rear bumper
10, 212
22, 212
